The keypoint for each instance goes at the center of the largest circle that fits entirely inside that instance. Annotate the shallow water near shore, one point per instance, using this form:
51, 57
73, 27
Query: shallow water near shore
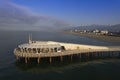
98, 69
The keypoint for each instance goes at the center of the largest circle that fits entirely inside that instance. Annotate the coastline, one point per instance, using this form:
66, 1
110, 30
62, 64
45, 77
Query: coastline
94, 36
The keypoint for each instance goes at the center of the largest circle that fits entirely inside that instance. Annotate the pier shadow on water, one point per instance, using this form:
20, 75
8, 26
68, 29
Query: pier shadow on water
56, 65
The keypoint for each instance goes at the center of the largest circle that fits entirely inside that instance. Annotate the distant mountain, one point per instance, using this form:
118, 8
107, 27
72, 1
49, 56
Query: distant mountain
111, 28
115, 28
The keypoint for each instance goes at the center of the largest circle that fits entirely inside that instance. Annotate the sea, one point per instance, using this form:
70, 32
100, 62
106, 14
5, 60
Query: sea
95, 69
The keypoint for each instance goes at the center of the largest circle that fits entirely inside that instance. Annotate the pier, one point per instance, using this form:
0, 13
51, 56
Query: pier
53, 49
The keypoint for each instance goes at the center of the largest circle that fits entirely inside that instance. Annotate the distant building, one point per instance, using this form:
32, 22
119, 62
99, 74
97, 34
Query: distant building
76, 30
96, 31
84, 31
104, 32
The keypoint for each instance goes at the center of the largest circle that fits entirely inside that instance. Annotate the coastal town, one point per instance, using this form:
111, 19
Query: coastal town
96, 32
103, 35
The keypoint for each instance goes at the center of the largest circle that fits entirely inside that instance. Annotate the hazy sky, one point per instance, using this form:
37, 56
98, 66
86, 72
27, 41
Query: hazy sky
40, 14
77, 11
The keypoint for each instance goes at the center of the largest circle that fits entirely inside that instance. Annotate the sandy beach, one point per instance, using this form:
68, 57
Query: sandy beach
98, 37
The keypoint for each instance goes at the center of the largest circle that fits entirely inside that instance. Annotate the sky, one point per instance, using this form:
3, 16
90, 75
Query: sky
55, 14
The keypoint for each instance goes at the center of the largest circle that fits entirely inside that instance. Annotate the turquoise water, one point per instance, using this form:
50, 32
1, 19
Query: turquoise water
96, 69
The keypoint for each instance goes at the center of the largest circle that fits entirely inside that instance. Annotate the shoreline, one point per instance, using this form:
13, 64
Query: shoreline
94, 36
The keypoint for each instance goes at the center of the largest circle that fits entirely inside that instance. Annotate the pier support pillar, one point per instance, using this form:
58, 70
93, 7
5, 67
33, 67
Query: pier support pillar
80, 55
38, 60
50, 60
119, 53
17, 58
95, 54
108, 53
25, 59
61, 58
71, 57
112, 54
87, 56
101, 54
98, 54
28, 58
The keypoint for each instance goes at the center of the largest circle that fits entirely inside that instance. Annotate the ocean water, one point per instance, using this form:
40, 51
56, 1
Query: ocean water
97, 69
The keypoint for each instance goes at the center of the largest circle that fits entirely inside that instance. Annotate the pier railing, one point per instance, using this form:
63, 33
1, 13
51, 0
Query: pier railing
63, 53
